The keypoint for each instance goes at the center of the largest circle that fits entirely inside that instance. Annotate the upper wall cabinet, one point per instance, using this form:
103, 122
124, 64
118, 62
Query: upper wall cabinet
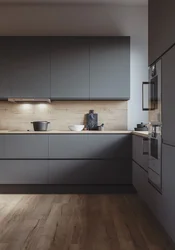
24, 67
69, 69
161, 27
110, 68
65, 68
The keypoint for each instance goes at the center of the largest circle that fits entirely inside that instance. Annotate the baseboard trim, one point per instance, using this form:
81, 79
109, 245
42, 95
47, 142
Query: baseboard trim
67, 189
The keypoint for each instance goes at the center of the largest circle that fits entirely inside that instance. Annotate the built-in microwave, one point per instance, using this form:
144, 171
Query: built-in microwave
151, 91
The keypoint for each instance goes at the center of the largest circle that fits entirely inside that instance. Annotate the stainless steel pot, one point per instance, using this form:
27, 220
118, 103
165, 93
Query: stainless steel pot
40, 125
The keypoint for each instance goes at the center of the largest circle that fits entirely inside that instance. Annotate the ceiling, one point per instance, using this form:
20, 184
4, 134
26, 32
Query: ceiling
121, 2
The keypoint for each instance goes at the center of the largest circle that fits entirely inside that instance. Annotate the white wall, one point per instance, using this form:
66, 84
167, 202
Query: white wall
99, 20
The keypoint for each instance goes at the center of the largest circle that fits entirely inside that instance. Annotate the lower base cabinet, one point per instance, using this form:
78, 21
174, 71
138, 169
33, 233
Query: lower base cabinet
90, 171
24, 172
140, 181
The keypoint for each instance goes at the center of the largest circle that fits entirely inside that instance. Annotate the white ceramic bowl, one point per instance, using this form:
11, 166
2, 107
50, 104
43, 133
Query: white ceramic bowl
76, 127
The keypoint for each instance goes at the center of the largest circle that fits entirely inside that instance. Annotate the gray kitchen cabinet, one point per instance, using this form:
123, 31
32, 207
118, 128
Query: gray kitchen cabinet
140, 148
23, 172
68, 146
90, 172
90, 146
70, 69
5, 91
168, 188
109, 146
25, 67
26, 146
2, 146
168, 99
161, 31
140, 181
110, 68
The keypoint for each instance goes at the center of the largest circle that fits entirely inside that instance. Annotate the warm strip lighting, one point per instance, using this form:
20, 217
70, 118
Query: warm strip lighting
42, 105
26, 106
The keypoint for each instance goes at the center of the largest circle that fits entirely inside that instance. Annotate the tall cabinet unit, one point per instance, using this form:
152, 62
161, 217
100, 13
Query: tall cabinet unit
168, 100
161, 27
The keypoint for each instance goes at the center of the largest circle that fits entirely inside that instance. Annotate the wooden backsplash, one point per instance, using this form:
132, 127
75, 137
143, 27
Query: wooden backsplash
63, 113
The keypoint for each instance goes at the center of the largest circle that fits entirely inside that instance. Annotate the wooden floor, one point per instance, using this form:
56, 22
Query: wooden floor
79, 222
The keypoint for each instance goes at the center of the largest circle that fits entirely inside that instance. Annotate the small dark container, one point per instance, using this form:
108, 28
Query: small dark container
40, 125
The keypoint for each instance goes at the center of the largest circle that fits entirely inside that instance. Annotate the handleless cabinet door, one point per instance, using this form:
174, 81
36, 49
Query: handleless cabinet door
69, 69
140, 151
68, 146
2, 146
23, 172
161, 27
109, 146
26, 67
168, 97
110, 68
26, 147
90, 172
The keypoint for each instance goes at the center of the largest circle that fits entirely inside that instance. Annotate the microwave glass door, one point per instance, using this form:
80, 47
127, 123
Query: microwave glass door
154, 93
154, 148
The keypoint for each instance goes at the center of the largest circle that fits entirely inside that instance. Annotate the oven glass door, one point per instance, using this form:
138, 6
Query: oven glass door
154, 148
153, 93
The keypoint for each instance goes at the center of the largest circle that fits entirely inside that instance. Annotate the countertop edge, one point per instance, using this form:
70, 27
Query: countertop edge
140, 133
55, 132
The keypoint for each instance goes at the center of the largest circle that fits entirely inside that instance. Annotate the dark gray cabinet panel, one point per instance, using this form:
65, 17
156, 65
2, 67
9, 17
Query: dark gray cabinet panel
140, 148
109, 146
110, 68
90, 172
68, 146
2, 146
168, 99
23, 172
25, 70
140, 181
26, 146
90, 146
69, 69
5, 91
168, 188
161, 23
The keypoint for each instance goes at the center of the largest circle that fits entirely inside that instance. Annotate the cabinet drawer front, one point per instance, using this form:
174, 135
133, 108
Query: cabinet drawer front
110, 146
140, 151
68, 146
26, 147
23, 171
2, 146
140, 181
90, 172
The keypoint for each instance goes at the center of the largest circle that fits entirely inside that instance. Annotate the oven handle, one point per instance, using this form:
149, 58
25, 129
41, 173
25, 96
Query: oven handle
143, 146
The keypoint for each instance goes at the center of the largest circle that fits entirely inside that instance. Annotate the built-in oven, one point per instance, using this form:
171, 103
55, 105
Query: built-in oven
151, 101
155, 156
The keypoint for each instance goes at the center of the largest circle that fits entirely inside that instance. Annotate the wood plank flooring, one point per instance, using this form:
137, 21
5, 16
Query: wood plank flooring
79, 222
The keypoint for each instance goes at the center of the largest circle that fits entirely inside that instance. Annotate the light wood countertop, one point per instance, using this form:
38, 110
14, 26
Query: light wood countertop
65, 132
139, 133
